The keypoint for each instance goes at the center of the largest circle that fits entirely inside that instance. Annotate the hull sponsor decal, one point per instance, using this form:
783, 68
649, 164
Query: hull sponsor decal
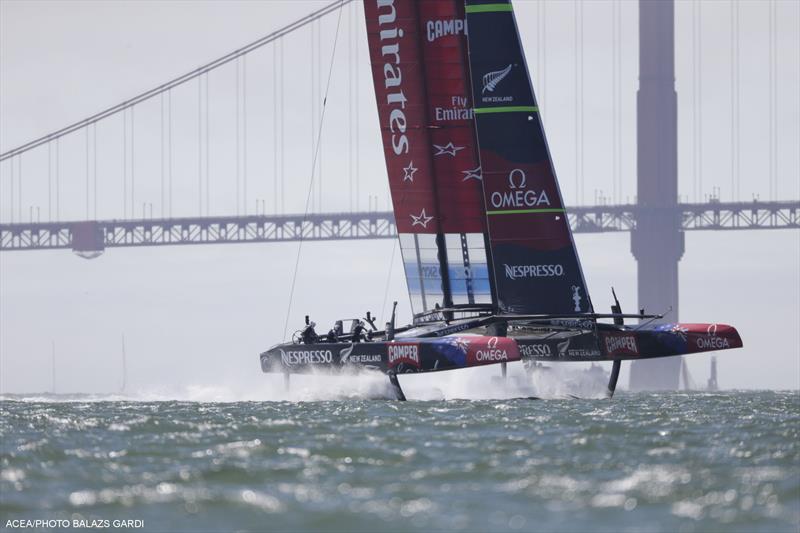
536, 350
621, 344
403, 353
490, 350
306, 357
710, 341
346, 357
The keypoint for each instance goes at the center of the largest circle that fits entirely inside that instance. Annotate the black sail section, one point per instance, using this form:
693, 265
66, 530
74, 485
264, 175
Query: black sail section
535, 264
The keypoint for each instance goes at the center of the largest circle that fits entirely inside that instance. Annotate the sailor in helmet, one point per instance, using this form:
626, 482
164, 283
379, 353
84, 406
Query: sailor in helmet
309, 336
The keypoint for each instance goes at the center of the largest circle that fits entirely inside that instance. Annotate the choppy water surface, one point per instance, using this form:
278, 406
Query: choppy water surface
642, 462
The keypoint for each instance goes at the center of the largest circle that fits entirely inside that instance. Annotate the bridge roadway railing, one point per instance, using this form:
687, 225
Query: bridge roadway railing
91, 237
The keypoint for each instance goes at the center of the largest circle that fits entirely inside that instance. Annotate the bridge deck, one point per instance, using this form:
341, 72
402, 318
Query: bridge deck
95, 236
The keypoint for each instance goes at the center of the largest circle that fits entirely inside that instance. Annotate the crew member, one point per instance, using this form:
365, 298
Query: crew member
358, 331
310, 336
332, 336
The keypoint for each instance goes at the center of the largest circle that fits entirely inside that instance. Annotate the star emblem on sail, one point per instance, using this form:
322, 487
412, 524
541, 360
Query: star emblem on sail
491, 79
421, 220
447, 149
408, 172
474, 174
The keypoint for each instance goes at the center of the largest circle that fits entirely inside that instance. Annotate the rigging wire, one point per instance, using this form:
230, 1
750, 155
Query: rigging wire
388, 278
313, 166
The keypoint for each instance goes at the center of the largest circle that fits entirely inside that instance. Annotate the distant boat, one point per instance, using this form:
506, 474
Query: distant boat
491, 266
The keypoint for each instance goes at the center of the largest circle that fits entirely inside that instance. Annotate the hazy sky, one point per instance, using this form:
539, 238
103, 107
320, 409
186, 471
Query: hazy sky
200, 315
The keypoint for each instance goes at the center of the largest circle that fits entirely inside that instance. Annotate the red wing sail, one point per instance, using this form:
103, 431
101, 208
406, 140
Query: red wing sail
535, 263
422, 84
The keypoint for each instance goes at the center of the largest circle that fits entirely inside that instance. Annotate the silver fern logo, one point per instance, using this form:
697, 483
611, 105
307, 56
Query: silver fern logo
491, 79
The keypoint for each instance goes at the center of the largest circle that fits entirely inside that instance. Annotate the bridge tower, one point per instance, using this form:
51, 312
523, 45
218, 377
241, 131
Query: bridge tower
657, 243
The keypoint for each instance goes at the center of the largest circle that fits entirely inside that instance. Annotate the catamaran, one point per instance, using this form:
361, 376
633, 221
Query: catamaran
490, 262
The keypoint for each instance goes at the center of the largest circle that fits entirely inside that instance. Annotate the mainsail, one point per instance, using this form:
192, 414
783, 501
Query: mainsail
535, 264
418, 52
476, 202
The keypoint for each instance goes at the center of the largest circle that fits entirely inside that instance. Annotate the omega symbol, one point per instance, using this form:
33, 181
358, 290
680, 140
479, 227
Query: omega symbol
522, 181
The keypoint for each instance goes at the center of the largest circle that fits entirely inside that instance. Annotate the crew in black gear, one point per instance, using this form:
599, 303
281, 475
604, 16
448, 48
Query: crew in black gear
309, 336
358, 331
332, 336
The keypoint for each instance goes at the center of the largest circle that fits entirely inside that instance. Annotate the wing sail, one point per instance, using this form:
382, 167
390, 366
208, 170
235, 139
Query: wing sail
535, 264
420, 71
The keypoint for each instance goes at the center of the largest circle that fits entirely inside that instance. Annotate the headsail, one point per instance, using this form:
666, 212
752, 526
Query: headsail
421, 76
535, 263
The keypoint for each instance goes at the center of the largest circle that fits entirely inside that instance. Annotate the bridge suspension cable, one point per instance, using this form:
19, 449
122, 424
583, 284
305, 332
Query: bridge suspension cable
180, 80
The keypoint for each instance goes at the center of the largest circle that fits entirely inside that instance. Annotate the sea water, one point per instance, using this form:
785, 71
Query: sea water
727, 461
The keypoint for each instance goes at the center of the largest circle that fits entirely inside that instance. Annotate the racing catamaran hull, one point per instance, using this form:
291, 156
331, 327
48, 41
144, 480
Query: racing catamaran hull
492, 270
409, 355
